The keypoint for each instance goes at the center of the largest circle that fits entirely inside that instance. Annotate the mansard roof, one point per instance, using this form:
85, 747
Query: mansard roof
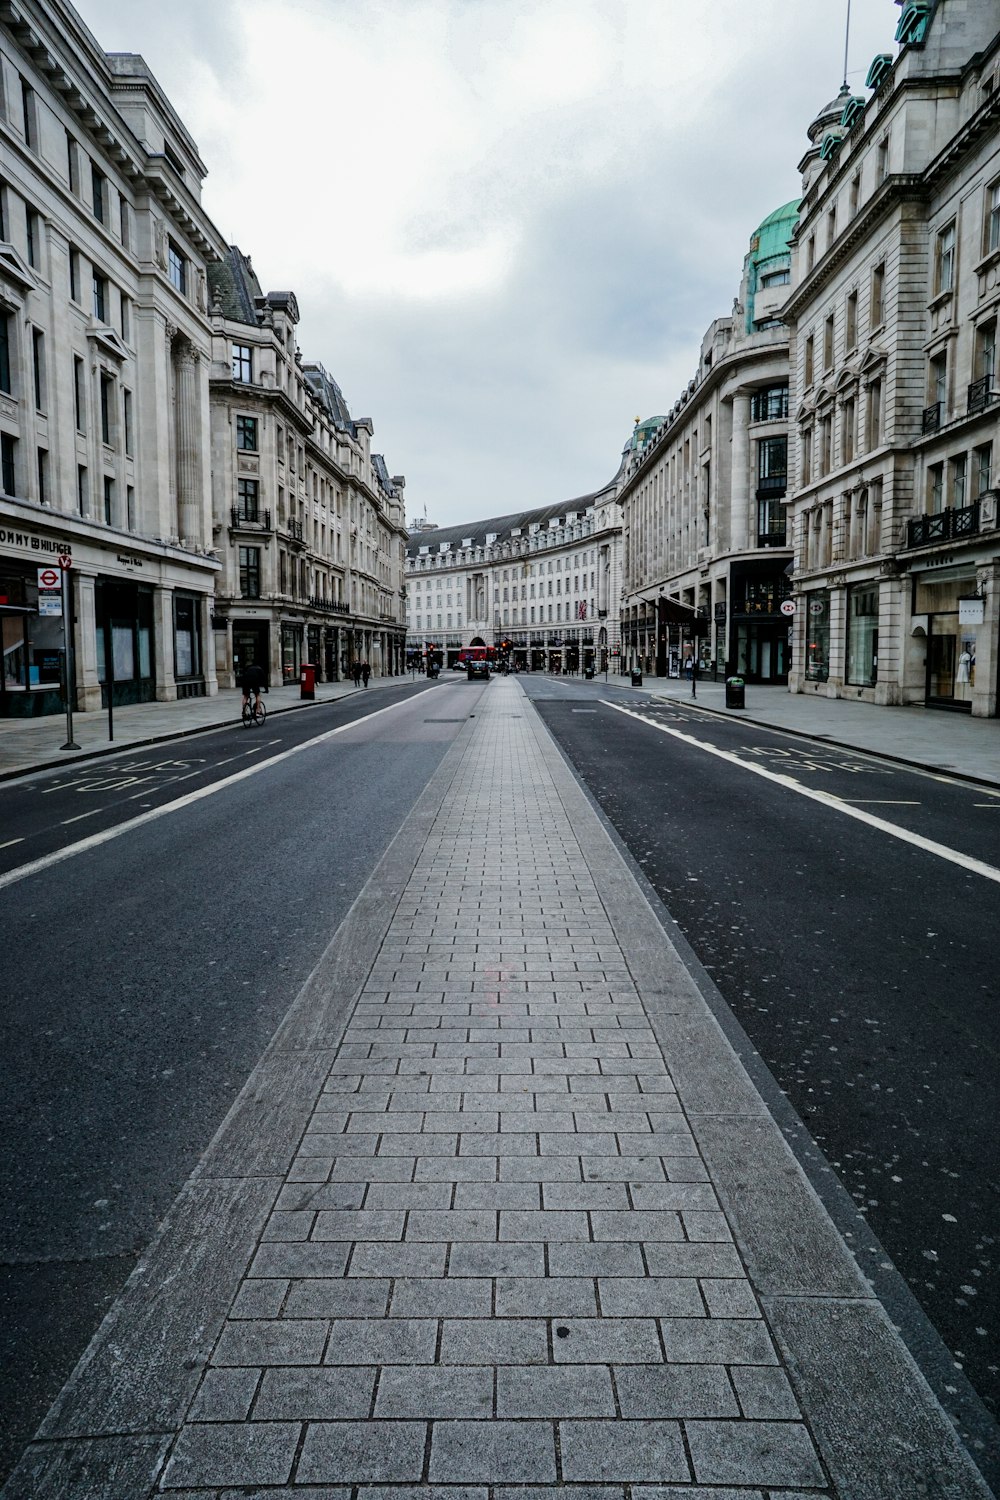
328, 393
233, 283
501, 527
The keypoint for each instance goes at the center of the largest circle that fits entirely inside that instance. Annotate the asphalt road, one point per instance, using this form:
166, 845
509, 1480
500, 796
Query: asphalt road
862, 966
143, 978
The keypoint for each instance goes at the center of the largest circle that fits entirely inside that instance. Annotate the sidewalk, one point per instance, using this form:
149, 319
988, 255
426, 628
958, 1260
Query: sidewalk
33, 744
498, 1207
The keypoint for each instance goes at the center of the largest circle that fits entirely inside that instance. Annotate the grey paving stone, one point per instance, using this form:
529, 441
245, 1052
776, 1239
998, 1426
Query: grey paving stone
591, 1143
554, 1391
235, 1454
314, 1394
675, 1391
685, 1259
411, 1195
611, 1224
498, 1195
499, 1452
673, 1195
764, 1393
455, 1169
537, 1169
398, 1260
770, 1453
224, 1396
441, 1391
259, 1299
717, 1341
418, 1145
451, 1225
359, 1225
606, 1341
300, 1260
534, 1224
730, 1298
485, 1341
705, 1226
310, 1169
650, 1297
585, 1195
482, 1259
381, 1341
631, 1450
622, 1169
478, 1143
374, 1169
545, 1296
322, 1195
356, 1452
277, 1341
343, 1297
434, 1297
605, 1259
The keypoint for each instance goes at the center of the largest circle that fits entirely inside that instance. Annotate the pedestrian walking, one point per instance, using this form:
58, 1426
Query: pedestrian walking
366, 672
694, 677
356, 673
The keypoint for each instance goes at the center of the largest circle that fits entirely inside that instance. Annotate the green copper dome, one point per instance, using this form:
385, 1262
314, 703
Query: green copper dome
773, 233
643, 431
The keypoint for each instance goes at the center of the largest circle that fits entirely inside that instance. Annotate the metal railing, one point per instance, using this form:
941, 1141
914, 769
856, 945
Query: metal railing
243, 522
328, 606
931, 419
294, 529
981, 394
922, 531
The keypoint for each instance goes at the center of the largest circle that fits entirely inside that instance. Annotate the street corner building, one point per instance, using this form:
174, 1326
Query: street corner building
137, 354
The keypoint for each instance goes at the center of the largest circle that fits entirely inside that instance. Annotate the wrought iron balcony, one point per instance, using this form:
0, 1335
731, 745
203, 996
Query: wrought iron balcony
946, 526
931, 419
328, 606
241, 521
981, 394
294, 529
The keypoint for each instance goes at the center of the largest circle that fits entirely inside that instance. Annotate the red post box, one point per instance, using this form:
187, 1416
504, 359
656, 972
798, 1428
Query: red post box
307, 680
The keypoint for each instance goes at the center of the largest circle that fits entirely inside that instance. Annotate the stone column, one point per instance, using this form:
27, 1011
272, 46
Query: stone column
188, 449
984, 689
163, 644
739, 480
208, 646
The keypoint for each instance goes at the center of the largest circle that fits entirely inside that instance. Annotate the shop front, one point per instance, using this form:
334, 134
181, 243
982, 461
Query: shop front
759, 647
252, 647
124, 640
291, 652
32, 645
949, 608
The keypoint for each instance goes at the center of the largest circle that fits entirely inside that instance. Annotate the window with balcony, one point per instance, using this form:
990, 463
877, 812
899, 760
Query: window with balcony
958, 470
935, 489
982, 468
248, 499
983, 389
246, 434
937, 392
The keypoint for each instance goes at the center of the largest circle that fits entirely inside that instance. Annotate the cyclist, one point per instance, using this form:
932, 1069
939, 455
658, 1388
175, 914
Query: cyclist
252, 679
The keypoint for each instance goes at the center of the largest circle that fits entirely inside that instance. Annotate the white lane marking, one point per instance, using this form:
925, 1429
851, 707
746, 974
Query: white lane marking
876, 801
47, 860
965, 861
11, 842
80, 816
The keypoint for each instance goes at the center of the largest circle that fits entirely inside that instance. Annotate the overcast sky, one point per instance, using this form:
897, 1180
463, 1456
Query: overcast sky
507, 222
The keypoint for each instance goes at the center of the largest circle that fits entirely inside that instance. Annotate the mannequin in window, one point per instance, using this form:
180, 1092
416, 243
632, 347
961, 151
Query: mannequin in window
964, 666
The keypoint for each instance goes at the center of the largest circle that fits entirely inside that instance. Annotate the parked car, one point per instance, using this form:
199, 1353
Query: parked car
478, 670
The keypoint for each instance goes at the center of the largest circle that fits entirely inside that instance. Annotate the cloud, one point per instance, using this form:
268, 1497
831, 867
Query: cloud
508, 222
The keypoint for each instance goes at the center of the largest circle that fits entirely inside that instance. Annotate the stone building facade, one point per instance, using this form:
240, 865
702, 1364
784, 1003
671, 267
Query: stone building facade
307, 521
542, 586
104, 356
702, 491
893, 319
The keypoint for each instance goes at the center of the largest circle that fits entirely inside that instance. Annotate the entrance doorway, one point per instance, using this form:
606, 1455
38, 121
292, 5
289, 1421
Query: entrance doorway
762, 651
251, 647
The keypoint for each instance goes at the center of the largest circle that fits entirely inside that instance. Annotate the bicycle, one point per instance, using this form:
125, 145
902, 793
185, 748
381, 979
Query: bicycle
254, 712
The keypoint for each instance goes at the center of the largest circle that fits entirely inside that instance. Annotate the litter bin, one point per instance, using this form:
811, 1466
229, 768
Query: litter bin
636, 677
307, 680
736, 692
588, 673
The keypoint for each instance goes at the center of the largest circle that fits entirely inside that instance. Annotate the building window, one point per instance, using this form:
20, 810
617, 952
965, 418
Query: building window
808, 361
937, 381
958, 475
74, 273
873, 435
882, 160
935, 489
826, 443
98, 187
29, 115
772, 464
776, 278
862, 634
72, 163
848, 420
106, 408
176, 268
79, 394
127, 421
130, 507
109, 499
246, 434
100, 297
81, 489
8, 467
770, 522
5, 362
991, 226
126, 317
31, 225
851, 322
243, 363
38, 366
770, 405
877, 303
982, 468
43, 459
855, 194
248, 499
828, 343
817, 616
250, 572
986, 351
944, 260
124, 224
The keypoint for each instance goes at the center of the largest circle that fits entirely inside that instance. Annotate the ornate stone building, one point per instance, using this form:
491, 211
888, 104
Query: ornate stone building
702, 491
104, 354
893, 315
307, 520
542, 585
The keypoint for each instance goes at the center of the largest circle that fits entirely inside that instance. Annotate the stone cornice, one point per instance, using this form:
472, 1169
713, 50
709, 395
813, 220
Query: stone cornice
898, 189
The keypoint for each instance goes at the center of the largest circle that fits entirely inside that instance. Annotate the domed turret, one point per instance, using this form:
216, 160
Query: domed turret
829, 116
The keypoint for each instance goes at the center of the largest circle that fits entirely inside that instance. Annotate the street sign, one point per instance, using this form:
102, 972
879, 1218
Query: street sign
65, 561
49, 578
787, 606
50, 592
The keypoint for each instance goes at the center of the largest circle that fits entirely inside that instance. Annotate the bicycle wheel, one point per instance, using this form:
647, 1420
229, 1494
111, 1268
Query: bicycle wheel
260, 712
247, 715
